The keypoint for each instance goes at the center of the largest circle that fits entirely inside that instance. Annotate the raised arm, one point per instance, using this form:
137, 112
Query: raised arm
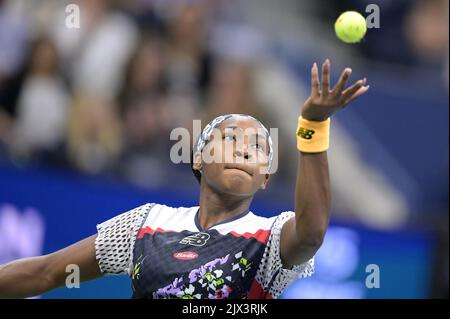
36, 275
302, 236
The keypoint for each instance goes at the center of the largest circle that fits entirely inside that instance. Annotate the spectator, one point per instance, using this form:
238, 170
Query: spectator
100, 47
94, 139
40, 99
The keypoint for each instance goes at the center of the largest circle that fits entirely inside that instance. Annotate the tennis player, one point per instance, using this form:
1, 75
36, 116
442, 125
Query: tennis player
218, 249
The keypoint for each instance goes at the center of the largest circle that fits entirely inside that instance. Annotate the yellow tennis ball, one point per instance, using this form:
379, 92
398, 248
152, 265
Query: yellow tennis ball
350, 27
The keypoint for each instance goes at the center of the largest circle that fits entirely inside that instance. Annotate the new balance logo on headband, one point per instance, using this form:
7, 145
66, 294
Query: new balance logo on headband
198, 239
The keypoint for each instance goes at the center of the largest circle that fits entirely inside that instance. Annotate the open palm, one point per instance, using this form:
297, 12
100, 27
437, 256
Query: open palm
323, 102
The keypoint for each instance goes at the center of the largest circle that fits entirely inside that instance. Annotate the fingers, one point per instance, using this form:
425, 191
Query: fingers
325, 77
315, 84
345, 96
357, 94
337, 90
352, 90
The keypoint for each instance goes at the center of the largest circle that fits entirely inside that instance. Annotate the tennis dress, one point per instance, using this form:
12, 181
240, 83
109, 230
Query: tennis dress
167, 254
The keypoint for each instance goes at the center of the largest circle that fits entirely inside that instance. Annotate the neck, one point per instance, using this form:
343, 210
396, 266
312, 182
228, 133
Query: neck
218, 207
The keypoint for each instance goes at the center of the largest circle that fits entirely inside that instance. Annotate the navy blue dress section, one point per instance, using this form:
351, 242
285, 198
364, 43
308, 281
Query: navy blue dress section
192, 265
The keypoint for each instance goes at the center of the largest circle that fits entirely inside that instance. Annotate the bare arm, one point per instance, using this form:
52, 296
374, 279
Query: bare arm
33, 276
302, 236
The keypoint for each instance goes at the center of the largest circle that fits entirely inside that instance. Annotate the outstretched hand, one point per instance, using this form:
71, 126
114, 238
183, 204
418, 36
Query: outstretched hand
324, 102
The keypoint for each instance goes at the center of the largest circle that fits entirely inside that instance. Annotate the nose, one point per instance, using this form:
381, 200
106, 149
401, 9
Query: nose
242, 152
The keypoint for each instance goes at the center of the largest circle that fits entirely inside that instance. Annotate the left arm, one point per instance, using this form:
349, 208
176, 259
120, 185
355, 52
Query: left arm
303, 235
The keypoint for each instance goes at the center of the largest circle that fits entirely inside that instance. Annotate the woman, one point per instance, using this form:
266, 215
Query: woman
218, 249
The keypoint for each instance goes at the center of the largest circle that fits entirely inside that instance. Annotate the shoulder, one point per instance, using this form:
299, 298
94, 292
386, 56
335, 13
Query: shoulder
127, 218
158, 209
270, 222
259, 226
170, 218
167, 212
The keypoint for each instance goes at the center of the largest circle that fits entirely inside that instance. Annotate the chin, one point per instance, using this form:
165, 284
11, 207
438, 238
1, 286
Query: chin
237, 185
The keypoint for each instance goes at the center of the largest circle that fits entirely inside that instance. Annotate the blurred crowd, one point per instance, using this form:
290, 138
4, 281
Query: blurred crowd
104, 97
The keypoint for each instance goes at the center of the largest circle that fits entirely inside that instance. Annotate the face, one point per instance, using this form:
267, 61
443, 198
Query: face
234, 159
45, 58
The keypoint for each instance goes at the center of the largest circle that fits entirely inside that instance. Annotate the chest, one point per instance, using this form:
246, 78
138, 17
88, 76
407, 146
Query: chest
194, 265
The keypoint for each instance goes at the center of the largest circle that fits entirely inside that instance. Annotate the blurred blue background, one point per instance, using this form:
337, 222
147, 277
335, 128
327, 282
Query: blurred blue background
86, 114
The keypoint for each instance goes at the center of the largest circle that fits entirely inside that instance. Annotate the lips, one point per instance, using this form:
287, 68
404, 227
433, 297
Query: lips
239, 167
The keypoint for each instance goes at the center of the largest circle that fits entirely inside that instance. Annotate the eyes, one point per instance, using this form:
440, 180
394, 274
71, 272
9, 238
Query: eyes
253, 144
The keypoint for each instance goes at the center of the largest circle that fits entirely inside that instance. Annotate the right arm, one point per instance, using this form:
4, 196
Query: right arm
36, 275
107, 252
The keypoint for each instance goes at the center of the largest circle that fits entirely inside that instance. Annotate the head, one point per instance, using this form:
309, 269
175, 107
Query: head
43, 57
233, 155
